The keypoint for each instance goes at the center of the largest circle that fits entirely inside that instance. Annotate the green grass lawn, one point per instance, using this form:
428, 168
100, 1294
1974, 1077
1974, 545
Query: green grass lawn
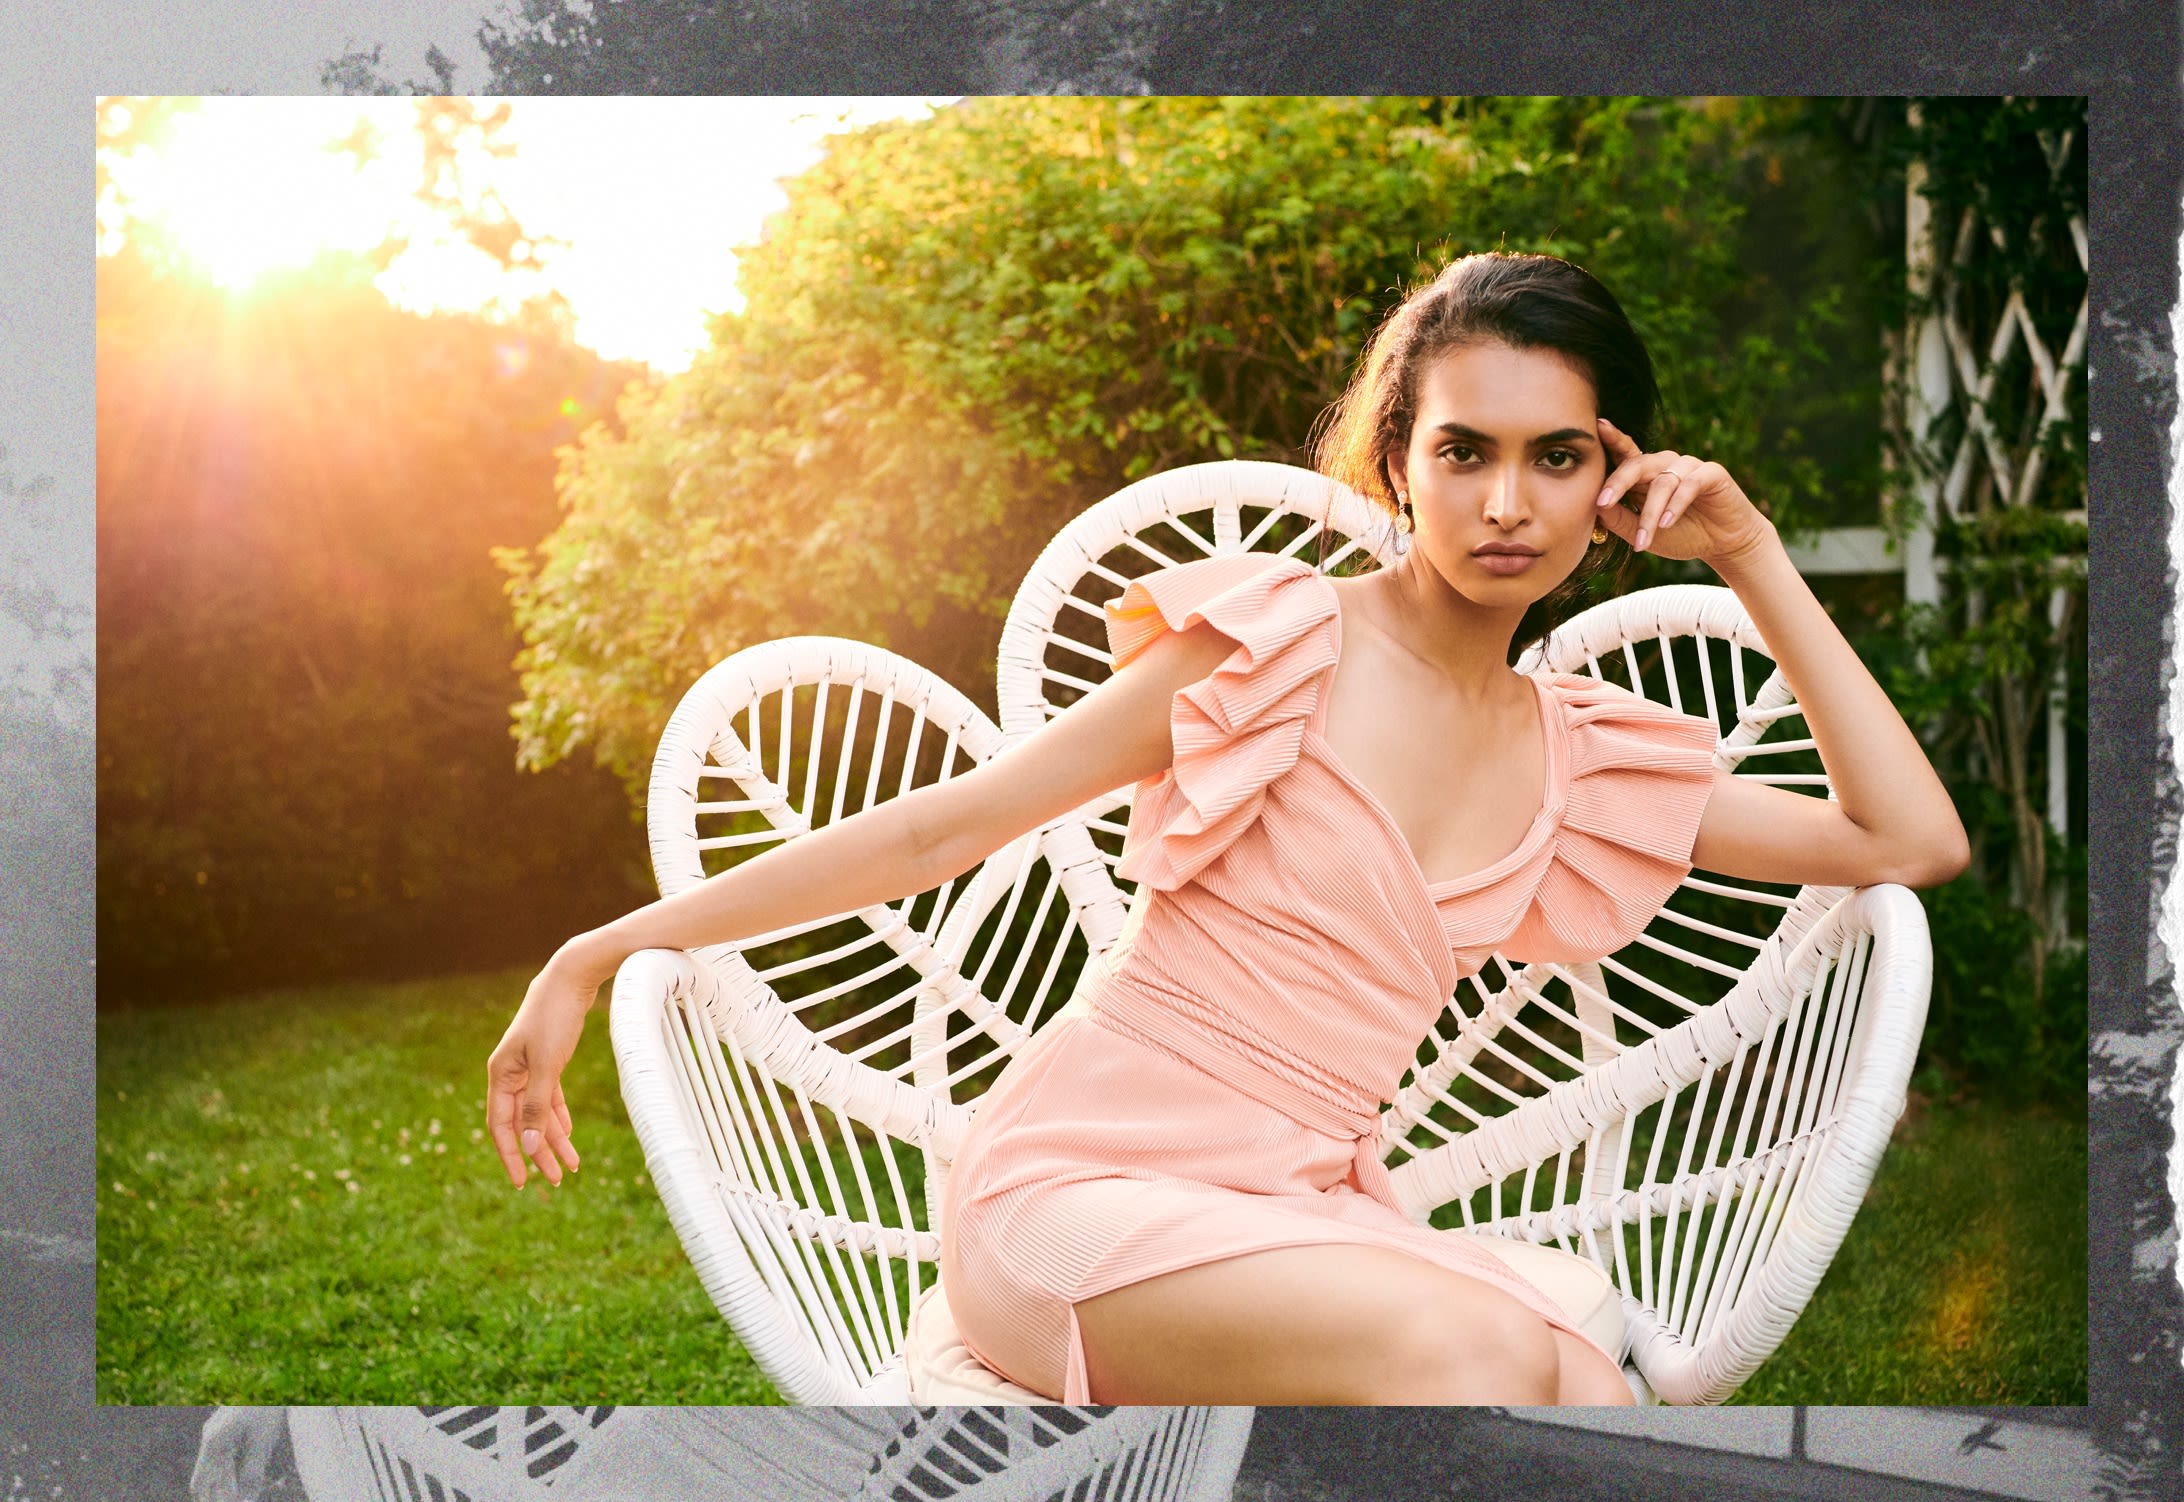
1962, 1279
297, 1204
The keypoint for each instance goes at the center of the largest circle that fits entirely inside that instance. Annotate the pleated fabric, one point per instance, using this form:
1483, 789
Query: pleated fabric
1222, 1095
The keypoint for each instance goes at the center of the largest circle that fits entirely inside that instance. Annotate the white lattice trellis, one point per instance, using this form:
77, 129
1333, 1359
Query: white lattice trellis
2016, 474
1956, 364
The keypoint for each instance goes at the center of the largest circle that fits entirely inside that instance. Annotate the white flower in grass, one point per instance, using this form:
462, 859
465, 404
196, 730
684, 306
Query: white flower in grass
434, 1126
403, 1160
353, 1186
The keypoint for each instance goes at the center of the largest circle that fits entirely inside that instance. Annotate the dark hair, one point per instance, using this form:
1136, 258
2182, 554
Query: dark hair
1525, 302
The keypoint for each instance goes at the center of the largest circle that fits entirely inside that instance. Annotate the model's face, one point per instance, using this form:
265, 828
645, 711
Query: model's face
1505, 454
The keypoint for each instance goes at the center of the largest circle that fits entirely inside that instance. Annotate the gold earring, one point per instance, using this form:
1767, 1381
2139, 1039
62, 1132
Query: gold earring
1599, 533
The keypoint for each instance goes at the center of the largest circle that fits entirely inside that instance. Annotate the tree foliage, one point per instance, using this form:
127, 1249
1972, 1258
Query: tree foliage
703, 47
304, 654
964, 330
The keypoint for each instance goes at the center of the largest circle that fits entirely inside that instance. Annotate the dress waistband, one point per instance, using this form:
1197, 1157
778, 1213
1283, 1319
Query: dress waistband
1187, 1030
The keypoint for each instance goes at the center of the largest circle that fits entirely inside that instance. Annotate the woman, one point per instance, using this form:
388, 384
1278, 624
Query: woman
1347, 800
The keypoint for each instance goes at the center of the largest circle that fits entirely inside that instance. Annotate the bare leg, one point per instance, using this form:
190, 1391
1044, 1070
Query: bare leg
1588, 1376
1321, 1324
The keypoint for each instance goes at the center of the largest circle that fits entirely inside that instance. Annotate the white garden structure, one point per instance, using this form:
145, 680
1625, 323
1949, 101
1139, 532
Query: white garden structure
766, 1454
1699, 1114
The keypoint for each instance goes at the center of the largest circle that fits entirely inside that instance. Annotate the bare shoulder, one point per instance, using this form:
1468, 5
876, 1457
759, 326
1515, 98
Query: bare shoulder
1365, 609
1374, 662
1348, 589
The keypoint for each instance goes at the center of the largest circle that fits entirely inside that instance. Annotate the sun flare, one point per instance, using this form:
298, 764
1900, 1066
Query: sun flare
638, 238
246, 187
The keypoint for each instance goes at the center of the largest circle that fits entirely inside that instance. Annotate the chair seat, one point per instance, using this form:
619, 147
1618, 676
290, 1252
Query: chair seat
940, 1366
942, 1369
1579, 1288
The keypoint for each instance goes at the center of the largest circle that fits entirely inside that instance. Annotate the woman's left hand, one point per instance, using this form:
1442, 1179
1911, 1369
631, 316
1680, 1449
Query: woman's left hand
1687, 507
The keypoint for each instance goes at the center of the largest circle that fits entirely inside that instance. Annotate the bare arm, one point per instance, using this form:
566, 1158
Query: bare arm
1113, 737
1891, 819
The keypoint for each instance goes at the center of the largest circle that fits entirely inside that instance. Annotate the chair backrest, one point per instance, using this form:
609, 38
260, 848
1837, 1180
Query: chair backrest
803, 1058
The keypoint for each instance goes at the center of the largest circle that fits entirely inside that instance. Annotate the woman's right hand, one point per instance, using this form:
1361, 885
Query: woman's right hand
524, 1107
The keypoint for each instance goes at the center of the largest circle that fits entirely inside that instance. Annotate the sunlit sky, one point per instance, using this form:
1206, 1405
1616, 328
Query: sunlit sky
640, 202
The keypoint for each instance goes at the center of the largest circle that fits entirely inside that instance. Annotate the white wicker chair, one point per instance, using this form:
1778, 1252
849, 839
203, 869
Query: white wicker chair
757, 1455
479, 1454
1699, 1114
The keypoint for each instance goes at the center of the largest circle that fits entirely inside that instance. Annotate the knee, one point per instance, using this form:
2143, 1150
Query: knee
1587, 1376
1486, 1350
1528, 1362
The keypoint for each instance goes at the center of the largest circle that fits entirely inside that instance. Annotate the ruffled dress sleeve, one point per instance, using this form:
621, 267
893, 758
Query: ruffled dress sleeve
1640, 774
1242, 726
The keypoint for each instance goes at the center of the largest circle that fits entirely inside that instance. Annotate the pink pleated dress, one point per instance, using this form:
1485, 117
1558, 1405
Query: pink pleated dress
1223, 1094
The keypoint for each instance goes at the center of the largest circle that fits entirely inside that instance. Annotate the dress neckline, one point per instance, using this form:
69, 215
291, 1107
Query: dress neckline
1552, 733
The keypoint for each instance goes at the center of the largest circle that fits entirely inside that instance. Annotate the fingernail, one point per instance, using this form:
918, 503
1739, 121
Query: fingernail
531, 1140
1605, 496
1642, 535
